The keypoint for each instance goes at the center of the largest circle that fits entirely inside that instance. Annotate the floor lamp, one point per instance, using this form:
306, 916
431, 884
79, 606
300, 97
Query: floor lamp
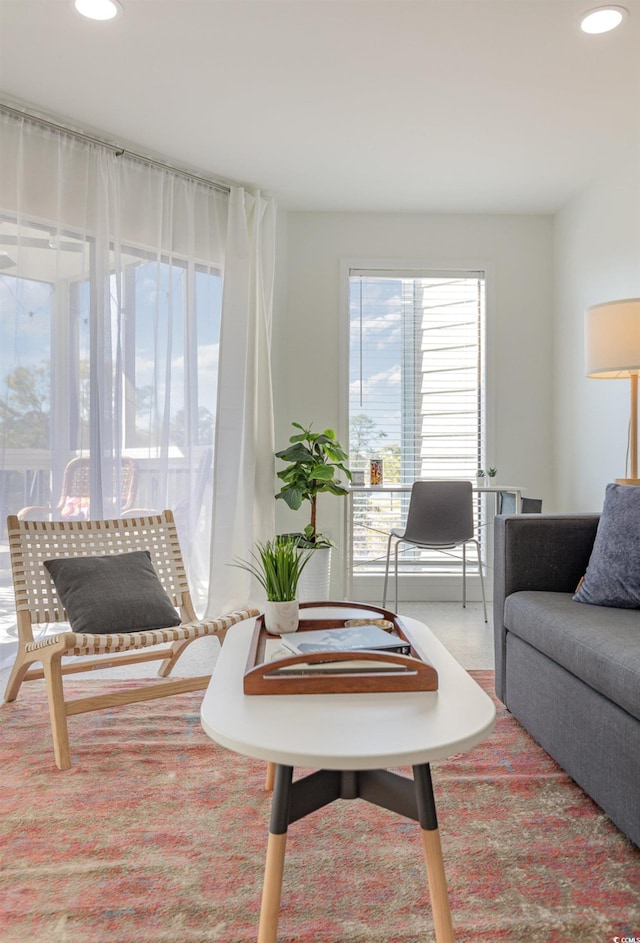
612, 352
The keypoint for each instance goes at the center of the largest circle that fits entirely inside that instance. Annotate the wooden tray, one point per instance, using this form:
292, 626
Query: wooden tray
409, 672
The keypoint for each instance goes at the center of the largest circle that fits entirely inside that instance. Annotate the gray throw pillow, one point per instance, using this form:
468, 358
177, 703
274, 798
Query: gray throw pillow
613, 573
115, 593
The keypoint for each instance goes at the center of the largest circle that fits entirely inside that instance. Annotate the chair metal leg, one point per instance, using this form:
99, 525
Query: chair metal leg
484, 601
464, 576
386, 574
396, 573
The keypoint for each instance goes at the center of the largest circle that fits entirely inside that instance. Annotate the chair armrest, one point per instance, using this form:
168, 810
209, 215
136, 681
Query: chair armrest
542, 552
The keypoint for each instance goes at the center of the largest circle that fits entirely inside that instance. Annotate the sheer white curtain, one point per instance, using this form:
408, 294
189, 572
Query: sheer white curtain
244, 507
112, 277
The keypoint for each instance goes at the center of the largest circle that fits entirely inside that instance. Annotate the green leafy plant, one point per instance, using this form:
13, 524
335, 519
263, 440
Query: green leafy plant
277, 565
312, 458
489, 473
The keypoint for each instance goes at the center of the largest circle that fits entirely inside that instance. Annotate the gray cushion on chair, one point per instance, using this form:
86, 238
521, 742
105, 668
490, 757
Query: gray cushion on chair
613, 573
114, 593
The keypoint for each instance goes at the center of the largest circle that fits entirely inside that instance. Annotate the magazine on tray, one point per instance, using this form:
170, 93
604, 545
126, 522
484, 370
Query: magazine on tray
347, 639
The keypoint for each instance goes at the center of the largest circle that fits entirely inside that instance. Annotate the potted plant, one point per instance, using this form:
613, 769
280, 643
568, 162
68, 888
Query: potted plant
313, 460
481, 475
277, 565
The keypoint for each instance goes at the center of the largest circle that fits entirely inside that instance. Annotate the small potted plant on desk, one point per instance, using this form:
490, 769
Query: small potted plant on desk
277, 565
486, 478
313, 459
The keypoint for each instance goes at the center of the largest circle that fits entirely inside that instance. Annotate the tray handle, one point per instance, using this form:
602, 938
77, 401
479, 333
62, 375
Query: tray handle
269, 671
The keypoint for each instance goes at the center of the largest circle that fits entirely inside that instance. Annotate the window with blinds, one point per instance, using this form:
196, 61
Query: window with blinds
416, 385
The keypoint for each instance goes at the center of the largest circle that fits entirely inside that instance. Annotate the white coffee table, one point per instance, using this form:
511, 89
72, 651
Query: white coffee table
350, 740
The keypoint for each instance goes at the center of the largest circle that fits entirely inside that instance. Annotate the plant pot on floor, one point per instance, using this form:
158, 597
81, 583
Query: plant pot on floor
315, 580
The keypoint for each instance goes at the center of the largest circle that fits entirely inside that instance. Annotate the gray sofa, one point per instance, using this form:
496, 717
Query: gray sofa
569, 672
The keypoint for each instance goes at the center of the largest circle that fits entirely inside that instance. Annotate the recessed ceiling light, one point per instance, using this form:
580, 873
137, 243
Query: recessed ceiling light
603, 19
98, 9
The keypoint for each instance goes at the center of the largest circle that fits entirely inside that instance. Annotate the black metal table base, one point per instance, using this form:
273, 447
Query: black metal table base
294, 800
412, 798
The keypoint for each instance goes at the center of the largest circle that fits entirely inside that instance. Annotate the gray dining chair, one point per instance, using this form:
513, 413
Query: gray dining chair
440, 517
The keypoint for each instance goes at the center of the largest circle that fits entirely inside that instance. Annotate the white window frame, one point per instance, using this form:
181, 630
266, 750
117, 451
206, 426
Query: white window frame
369, 586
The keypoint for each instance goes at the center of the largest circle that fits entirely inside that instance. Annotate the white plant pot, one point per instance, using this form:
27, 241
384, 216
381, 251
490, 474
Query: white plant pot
315, 581
281, 617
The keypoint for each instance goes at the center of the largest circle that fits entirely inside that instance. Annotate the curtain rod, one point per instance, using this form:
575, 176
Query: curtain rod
119, 150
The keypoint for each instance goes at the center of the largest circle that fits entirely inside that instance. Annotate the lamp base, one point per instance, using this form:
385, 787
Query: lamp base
628, 481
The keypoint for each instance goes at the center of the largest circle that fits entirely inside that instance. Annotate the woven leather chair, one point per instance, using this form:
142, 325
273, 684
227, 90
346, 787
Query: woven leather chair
440, 517
74, 498
37, 602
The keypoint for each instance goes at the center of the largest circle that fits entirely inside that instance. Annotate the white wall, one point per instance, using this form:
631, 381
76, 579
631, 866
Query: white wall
517, 254
597, 258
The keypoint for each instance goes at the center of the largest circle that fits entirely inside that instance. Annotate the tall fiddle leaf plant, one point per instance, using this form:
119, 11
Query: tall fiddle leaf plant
312, 461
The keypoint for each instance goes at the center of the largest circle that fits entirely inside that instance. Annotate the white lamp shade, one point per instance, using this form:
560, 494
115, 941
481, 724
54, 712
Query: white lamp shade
612, 339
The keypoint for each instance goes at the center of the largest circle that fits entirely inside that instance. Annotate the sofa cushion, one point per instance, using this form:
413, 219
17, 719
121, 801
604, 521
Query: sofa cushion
112, 593
613, 573
599, 645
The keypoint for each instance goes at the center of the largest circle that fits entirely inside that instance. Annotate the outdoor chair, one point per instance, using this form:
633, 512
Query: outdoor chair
133, 587
73, 503
187, 510
440, 517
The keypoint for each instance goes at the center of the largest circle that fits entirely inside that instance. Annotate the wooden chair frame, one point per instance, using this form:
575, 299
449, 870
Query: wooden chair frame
32, 542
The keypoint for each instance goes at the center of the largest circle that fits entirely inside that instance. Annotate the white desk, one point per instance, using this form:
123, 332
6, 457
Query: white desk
495, 490
350, 740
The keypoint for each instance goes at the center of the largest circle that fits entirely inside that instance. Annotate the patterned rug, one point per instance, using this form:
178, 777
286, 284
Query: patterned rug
158, 835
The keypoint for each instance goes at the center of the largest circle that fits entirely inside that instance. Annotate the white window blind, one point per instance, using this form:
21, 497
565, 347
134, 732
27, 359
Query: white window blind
416, 390
416, 385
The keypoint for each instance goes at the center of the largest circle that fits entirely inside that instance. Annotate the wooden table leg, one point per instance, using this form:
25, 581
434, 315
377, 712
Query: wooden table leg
437, 886
291, 802
276, 847
272, 888
433, 854
269, 776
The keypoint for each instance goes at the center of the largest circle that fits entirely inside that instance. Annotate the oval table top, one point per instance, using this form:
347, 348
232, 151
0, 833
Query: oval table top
347, 731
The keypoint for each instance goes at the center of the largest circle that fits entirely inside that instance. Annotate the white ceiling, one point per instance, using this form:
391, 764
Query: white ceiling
357, 105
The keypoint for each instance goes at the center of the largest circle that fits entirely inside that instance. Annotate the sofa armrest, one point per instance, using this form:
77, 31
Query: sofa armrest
543, 552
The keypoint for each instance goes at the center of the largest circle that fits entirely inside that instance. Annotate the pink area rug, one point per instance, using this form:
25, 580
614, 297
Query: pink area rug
158, 835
